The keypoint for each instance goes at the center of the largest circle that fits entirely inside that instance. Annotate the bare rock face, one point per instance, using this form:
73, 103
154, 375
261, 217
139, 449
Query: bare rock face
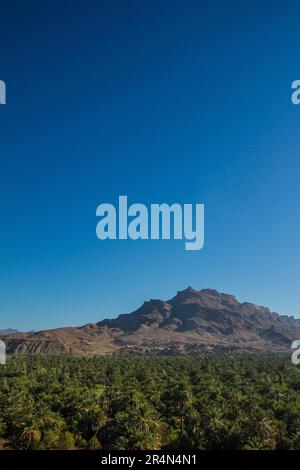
191, 322
151, 313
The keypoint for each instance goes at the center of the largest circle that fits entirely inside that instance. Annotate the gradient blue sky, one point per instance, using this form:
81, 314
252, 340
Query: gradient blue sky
182, 101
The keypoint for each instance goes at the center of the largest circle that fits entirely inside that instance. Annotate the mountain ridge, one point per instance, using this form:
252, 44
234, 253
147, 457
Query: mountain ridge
193, 321
8, 331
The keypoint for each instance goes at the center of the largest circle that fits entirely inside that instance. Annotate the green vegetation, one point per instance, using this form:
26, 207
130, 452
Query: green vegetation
205, 402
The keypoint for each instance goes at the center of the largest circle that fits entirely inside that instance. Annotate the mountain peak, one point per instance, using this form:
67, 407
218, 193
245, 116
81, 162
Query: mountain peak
188, 291
191, 322
206, 298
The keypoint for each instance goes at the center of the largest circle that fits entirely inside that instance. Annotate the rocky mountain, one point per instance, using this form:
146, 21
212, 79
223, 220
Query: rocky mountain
191, 322
7, 331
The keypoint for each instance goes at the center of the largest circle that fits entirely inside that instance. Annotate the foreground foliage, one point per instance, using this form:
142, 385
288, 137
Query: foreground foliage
205, 402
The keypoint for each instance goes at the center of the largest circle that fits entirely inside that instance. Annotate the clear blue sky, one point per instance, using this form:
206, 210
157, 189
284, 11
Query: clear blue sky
182, 101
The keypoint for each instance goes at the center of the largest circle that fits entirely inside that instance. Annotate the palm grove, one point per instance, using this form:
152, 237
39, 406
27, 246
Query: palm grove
205, 402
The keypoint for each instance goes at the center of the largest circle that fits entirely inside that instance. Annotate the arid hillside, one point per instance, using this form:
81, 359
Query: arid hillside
191, 322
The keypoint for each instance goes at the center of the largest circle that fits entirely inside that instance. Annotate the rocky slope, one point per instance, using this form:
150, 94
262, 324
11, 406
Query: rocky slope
191, 322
